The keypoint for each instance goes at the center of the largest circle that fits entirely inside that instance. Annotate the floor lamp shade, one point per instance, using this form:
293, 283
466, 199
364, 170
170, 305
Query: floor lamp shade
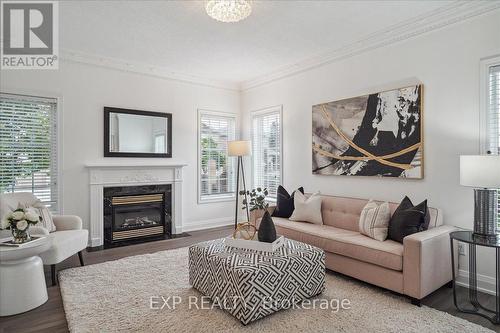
483, 173
239, 148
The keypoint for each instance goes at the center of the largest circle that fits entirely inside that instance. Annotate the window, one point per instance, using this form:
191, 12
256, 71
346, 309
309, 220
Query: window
491, 109
493, 104
267, 155
216, 170
28, 147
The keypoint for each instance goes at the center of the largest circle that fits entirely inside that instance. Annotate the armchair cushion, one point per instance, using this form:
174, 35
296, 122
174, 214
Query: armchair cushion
65, 243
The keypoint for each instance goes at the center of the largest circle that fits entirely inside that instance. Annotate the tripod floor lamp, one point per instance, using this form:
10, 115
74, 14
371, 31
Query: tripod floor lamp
240, 149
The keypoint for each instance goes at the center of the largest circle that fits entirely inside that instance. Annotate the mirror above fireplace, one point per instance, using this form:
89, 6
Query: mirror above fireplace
135, 133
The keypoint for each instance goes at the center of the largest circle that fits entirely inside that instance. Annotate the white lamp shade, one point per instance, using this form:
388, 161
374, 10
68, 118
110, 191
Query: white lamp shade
239, 148
480, 171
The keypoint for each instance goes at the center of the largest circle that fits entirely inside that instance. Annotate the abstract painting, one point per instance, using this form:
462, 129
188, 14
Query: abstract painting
373, 135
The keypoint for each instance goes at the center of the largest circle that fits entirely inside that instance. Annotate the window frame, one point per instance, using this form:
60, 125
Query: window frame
261, 112
234, 117
484, 97
484, 103
59, 118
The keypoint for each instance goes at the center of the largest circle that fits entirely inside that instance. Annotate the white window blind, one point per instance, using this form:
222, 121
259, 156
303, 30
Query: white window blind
266, 141
28, 147
493, 135
493, 116
217, 171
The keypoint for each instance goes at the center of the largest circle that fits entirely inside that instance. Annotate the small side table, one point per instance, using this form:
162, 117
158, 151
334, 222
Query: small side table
477, 308
22, 281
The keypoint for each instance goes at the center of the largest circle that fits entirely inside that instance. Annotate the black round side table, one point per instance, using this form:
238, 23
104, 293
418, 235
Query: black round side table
473, 241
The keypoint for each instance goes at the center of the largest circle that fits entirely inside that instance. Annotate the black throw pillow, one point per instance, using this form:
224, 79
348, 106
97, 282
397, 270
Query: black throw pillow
425, 210
405, 223
284, 202
408, 219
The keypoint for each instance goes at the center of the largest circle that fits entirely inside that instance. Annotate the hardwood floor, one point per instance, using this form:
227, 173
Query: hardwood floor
50, 316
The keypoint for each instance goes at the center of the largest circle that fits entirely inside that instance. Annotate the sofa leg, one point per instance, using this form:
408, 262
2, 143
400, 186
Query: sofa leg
81, 258
416, 301
53, 274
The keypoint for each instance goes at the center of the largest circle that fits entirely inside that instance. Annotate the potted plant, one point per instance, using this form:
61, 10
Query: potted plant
255, 201
19, 222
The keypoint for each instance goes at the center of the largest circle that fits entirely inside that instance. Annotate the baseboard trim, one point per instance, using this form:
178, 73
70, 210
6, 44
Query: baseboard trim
485, 283
207, 224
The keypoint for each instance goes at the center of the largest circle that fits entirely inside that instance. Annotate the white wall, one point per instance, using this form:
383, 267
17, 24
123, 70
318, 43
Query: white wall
447, 63
86, 89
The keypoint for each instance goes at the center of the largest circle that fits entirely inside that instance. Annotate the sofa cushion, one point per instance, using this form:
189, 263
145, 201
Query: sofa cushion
64, 244
342, 212
388, 254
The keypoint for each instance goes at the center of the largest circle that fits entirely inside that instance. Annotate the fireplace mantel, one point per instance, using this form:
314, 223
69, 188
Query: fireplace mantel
103, 175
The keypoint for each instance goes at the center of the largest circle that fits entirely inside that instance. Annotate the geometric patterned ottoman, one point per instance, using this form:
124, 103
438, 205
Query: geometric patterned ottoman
252, 284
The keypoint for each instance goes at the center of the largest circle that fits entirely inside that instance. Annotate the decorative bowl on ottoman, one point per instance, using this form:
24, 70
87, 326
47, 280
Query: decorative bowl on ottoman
254, 284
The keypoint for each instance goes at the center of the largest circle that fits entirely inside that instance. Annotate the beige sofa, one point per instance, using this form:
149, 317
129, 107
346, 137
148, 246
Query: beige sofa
415, 268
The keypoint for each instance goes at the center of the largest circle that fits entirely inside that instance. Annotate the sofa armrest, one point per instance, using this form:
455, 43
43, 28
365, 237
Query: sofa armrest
67, 222
427, 261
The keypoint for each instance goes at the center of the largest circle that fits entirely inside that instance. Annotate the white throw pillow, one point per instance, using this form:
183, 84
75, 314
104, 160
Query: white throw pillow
374, 220
45, 216
307, 209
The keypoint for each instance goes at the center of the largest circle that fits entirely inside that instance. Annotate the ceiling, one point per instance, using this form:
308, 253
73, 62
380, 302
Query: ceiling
179, 37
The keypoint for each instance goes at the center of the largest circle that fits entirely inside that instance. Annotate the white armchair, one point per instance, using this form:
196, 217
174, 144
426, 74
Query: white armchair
68, 239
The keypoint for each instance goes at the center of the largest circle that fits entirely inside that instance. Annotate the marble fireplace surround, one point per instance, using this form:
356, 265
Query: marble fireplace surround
103, 175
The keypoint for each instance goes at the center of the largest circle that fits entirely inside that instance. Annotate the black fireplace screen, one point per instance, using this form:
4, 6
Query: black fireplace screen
136, 212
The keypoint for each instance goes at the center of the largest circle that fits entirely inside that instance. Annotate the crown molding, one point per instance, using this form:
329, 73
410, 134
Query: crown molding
439, 18
74, 56
447, 15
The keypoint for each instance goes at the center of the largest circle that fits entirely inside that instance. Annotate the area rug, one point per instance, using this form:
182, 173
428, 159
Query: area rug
138, 294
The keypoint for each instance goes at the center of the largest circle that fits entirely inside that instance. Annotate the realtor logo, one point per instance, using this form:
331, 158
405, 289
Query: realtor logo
30, 35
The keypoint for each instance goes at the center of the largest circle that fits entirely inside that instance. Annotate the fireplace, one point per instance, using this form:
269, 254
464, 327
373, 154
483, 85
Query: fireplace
137, 213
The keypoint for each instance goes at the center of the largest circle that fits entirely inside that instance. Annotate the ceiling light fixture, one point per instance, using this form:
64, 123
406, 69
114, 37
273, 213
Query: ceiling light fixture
228, 10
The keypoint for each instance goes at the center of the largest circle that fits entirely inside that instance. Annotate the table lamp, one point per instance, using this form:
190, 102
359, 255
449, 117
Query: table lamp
483, 173
240, 149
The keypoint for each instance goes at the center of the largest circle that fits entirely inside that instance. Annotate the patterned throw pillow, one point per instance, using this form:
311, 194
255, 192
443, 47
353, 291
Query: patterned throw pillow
45, 216
374, 220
